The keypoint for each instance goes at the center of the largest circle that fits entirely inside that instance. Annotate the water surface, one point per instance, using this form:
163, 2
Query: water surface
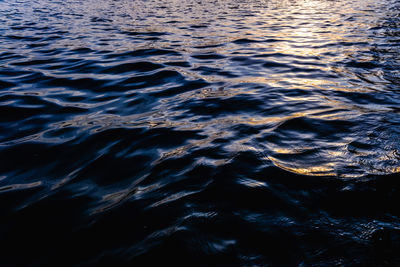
200, 132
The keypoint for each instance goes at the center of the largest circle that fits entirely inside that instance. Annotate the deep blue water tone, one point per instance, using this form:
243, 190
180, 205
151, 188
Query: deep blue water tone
200, 132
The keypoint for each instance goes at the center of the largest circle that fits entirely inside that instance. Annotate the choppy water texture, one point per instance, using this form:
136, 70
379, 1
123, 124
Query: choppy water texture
200, 132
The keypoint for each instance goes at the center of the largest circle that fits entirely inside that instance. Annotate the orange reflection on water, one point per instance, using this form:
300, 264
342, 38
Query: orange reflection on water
327, 169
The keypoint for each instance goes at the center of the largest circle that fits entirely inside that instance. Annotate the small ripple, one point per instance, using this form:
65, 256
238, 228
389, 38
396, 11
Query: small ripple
210, 56
132, 67
17, 187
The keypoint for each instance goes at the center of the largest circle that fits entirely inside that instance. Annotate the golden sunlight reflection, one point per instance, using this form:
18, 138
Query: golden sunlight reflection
327, 169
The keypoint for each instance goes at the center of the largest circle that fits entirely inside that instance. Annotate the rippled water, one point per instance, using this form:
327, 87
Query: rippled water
208, 132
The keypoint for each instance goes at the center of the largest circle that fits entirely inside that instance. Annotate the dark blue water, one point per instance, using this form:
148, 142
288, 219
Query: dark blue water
207, 132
